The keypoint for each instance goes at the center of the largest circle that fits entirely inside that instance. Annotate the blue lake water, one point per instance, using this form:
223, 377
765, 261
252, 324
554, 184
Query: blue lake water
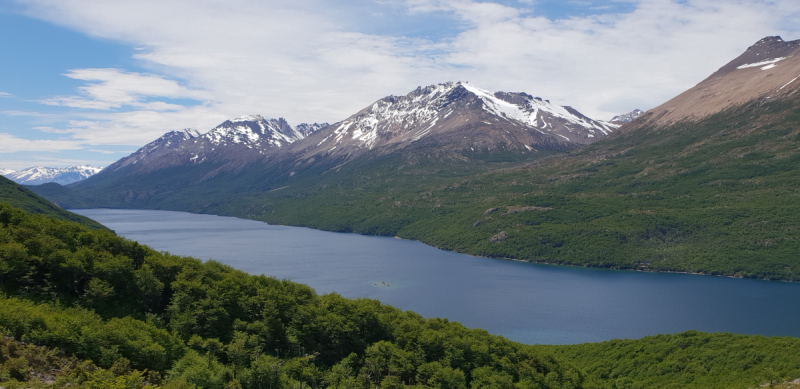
530, 303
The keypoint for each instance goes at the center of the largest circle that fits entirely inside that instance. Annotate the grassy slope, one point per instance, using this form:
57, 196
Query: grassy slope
18, 196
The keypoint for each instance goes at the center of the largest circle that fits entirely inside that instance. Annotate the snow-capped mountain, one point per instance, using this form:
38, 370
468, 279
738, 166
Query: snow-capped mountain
39, 175
171, 142
628, 117
241, 141
458, 115
254, 131
306, 129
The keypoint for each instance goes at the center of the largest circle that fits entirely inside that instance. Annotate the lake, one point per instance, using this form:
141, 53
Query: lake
529, 303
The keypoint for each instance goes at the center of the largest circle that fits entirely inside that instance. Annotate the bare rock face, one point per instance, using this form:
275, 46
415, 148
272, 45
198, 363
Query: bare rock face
767, 70
171, 142
499, 237
628, 117
458, 116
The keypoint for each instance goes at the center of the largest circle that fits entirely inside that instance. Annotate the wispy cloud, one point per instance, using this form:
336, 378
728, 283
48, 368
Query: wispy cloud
115, 88
49, 160
310, 61
27, 113
9, 143
5, 94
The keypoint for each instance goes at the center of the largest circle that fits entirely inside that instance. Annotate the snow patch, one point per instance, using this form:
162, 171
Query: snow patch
762, 63
787, 84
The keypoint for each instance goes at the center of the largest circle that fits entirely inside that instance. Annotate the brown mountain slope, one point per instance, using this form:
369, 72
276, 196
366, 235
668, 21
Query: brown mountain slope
765, 71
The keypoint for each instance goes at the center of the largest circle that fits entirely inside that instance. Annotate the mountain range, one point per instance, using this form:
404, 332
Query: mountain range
511, 175
452, 117
234, 143
457, 116
39, 175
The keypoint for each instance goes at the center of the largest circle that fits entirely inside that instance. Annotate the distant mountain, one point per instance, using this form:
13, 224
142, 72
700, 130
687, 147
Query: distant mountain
39, 175
764, 72
249, 154
233, 143
628, 117
457, 116
453, 116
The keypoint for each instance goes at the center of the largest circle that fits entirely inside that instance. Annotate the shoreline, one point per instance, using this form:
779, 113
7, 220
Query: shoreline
466, 253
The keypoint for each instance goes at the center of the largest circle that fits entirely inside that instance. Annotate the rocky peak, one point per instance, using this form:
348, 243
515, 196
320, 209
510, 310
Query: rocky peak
628, 117
240, 140
307, 129
178, 135
766, 71
458, 115
765, 52
253, 130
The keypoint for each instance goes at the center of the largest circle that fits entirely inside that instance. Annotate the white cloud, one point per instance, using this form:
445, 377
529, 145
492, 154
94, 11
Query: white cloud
308, 60
611, 63
115, 88
9, 143
5, 94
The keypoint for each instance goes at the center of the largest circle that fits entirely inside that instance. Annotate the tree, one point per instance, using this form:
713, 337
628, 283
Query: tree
211, 346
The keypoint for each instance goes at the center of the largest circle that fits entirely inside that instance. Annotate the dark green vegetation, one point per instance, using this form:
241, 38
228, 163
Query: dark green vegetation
146, 318
687, 360
101, 297
719, 196
28, 366
18, 196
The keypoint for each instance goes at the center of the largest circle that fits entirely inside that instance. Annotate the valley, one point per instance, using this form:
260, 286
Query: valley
523, 302
311, 195
677, 189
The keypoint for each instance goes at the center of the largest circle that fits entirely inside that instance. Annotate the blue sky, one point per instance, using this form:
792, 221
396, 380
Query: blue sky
89, 81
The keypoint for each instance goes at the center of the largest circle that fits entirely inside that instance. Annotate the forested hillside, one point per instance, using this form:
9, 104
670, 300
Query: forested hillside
103, 298
145, 319
18, 196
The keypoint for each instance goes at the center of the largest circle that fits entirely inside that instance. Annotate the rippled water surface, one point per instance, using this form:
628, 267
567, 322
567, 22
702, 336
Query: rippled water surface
526, 302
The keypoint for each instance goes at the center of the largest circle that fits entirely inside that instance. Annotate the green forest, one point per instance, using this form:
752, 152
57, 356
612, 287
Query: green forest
81, 307
18, 196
